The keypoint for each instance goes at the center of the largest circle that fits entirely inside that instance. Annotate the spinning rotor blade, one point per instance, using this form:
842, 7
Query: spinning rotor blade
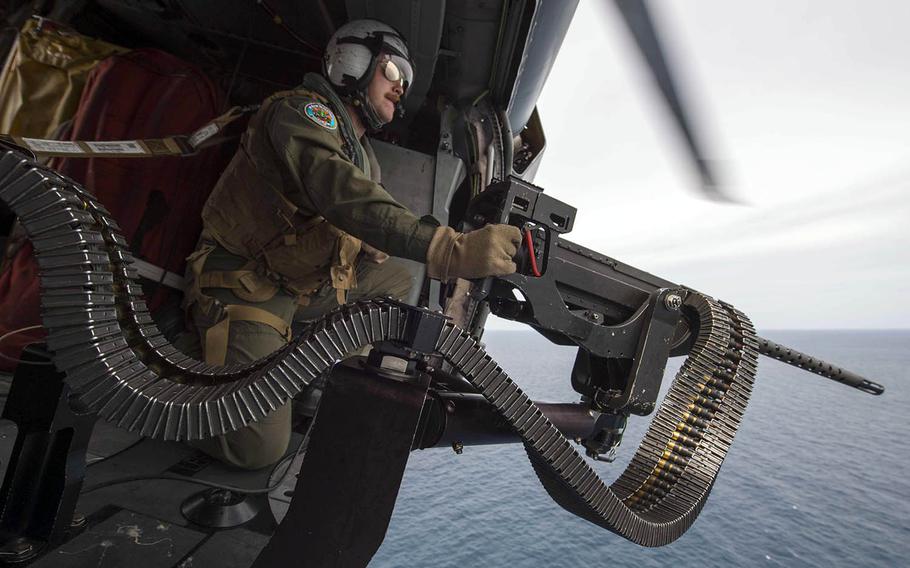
640, 24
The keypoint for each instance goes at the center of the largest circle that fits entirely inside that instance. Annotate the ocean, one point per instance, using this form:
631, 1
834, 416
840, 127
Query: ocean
817, 475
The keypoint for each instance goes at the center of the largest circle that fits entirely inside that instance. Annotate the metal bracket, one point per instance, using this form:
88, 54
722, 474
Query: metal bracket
450, 171
47, 465
650, 360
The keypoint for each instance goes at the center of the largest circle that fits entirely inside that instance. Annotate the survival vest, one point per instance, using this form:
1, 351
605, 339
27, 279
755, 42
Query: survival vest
250, 215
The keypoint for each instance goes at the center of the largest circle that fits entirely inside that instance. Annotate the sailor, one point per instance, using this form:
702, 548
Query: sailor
299, 223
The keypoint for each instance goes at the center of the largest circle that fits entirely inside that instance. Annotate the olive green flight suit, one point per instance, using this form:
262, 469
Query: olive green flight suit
282, 235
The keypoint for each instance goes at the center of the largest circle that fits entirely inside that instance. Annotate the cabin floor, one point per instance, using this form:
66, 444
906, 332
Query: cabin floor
139, 524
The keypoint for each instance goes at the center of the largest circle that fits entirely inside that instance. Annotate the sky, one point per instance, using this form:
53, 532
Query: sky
805, 105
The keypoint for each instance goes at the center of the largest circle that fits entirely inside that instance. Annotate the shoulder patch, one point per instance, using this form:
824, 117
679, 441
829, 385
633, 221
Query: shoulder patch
321, 115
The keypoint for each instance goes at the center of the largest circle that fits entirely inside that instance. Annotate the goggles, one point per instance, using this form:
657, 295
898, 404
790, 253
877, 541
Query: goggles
397, 69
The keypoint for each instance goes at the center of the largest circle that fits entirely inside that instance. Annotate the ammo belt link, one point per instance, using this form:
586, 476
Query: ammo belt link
120, 365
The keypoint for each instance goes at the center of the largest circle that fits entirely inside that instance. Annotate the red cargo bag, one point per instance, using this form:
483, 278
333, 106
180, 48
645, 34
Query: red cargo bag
157, 202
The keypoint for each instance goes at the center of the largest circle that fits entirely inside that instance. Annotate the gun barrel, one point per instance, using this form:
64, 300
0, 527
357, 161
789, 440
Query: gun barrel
808, 363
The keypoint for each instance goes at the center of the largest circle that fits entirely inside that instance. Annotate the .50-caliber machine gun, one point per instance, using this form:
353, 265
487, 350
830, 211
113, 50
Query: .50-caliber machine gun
426, 382
626, 323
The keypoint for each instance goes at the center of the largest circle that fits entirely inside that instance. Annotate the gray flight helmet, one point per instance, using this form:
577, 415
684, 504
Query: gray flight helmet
351, 57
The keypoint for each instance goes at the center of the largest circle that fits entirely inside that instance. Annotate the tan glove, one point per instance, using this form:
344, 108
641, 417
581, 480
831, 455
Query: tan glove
484, 252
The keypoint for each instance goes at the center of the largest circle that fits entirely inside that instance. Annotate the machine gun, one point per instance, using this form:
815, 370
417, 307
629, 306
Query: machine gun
425, 383
625, 322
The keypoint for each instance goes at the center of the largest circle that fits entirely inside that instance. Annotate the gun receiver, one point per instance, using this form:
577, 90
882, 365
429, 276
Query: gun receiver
625, 321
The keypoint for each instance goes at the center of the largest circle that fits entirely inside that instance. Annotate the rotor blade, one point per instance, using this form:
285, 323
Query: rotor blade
635, 13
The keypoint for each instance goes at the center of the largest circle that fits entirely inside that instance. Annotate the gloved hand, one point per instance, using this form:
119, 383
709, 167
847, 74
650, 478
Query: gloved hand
484, 252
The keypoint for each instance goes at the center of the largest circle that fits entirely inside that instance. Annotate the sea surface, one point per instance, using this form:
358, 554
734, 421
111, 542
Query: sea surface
819, 475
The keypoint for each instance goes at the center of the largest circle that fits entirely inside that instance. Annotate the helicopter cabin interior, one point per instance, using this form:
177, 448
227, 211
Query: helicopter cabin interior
129, 69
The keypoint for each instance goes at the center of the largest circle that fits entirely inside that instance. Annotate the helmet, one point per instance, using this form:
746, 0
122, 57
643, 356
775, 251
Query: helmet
351, 57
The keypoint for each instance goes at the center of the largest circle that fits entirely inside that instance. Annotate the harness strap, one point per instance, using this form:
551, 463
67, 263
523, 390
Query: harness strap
177, 145
216, 337
231, 279
343, 270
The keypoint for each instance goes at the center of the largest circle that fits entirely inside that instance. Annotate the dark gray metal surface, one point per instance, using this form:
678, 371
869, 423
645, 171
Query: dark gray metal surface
407, 175
425, 185
235, 549
125, 539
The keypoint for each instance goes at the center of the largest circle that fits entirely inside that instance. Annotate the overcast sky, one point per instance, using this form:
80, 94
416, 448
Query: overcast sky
807, 104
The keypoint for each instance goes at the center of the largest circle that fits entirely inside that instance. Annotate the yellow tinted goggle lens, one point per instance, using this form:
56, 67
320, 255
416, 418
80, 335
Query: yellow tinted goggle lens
397, 71
392, 73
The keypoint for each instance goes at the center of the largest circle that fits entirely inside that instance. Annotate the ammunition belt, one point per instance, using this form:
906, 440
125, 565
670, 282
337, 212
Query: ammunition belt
659, 495
118, 363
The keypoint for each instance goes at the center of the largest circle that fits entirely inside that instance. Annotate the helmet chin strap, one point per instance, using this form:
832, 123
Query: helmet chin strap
369, 113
